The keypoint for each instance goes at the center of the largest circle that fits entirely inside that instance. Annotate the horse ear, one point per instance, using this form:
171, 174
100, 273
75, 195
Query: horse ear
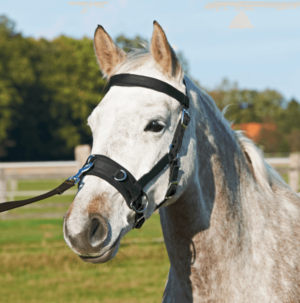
163, 53
108, 54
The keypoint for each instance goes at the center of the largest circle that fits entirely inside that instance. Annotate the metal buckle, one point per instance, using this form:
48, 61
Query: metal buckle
140, 211
89, 158
171, 184
122, 179
84, 169
184, 111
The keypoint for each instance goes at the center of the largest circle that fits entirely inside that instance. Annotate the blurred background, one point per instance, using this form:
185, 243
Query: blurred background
245, 55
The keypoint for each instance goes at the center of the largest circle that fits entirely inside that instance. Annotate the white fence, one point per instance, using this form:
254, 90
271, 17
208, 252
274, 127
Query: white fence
10, 173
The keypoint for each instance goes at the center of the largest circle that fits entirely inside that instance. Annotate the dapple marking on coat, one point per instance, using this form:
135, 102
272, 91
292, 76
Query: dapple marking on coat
232, 229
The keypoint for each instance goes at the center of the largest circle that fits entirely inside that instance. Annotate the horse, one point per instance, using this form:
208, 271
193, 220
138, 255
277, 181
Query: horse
231, 230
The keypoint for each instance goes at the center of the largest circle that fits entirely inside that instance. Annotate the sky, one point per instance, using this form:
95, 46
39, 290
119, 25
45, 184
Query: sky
215, 42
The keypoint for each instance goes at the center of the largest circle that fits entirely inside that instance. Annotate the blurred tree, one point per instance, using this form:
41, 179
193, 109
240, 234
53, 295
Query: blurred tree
48, 89
128, 44
273, 141
294, 140
290, 117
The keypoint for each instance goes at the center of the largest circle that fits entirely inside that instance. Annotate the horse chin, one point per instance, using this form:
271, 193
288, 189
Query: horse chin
100, 259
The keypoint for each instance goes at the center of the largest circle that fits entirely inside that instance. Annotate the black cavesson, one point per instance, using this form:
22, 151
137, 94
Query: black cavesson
117, 175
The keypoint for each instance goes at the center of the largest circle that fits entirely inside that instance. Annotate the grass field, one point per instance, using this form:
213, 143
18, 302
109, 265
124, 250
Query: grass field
37, 266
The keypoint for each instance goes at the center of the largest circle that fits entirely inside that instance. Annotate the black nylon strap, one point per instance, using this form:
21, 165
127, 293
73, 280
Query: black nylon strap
151, 83
178, 136
161, 164
107, 169
57, 191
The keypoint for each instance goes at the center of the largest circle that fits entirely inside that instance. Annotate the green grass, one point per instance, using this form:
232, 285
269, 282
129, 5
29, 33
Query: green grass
35, 184
37, 266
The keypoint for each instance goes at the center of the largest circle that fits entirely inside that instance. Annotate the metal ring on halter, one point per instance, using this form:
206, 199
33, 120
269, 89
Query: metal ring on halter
184, 111
122, 179
140, 211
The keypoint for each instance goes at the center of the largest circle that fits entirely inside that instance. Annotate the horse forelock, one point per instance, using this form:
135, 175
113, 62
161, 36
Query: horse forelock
139, 58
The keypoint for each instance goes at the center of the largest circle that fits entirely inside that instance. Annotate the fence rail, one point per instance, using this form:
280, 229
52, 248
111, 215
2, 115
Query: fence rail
10, 173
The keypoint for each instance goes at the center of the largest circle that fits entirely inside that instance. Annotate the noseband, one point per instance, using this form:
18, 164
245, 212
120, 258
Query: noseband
118, 176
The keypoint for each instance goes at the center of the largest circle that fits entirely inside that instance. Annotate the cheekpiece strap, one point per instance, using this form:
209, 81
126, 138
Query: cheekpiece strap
172, 156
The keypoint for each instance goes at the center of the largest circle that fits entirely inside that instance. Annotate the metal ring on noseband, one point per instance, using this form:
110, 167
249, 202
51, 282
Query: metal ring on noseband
121, 179
140, 211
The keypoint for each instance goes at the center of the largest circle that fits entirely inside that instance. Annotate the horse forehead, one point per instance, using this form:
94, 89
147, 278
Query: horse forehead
127, 102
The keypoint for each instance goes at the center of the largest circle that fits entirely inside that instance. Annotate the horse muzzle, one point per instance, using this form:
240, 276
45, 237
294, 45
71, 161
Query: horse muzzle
92, 241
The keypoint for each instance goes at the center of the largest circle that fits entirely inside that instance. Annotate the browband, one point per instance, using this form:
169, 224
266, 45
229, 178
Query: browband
151, 83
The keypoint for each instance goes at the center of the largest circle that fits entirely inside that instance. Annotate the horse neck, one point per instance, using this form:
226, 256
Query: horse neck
205, 225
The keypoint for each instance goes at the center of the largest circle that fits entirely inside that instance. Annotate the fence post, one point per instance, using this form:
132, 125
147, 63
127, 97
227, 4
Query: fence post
13, 188
82, 152
2, 185
294, 172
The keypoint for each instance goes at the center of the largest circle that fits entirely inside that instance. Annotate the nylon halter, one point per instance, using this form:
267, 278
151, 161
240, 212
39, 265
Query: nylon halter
118, 176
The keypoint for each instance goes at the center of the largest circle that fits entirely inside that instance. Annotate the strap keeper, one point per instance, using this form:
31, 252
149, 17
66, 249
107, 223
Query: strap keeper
185, 118
171, 191
139, 220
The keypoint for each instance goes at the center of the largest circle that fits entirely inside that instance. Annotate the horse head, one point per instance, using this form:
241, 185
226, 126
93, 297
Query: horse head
134, 127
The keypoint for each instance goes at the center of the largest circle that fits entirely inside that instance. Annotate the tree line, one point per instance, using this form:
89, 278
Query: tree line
49, 88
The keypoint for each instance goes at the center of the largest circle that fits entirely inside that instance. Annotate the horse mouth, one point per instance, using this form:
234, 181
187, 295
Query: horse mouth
104, 257
99, 259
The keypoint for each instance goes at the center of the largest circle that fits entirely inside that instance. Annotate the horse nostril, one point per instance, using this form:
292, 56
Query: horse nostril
94, 226
98, 231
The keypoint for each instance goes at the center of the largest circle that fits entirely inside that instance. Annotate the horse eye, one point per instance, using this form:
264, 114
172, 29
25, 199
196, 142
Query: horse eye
154, 126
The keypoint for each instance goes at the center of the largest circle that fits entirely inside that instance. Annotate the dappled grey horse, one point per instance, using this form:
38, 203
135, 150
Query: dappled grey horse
231, 229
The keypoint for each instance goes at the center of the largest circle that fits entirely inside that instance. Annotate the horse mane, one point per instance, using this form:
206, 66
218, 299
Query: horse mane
264, 174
